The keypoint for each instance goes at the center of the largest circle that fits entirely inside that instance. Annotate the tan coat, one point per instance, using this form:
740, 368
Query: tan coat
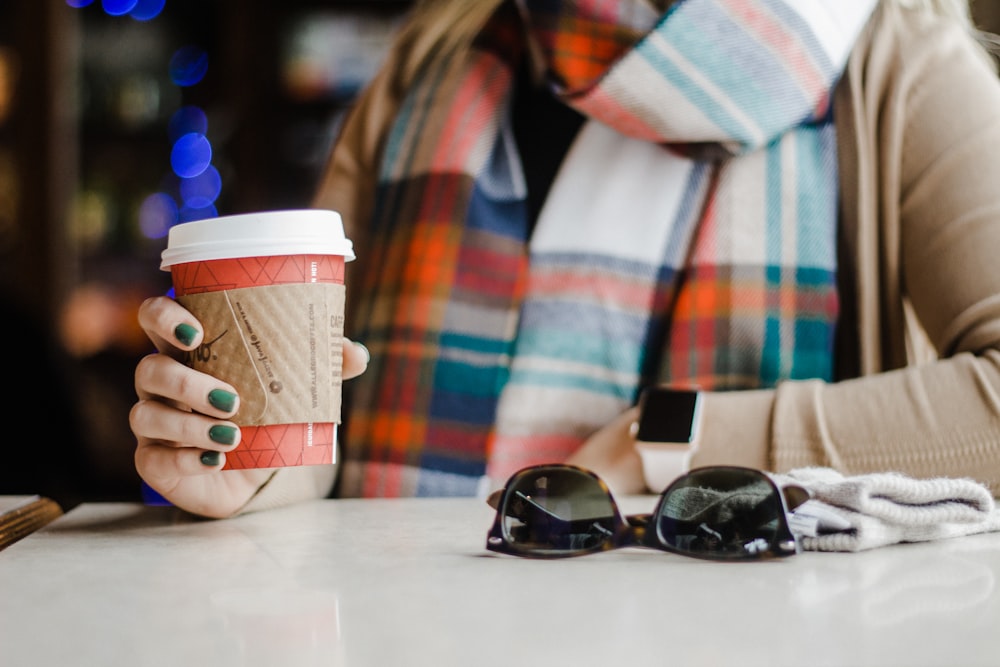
918, 120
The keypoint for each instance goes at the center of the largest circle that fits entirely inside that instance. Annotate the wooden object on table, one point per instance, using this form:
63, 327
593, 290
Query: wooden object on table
21, 516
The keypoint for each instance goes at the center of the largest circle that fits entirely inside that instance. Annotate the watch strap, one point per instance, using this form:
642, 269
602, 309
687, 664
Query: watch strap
662, 462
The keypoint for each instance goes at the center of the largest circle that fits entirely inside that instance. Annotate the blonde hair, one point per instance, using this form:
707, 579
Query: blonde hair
438, 29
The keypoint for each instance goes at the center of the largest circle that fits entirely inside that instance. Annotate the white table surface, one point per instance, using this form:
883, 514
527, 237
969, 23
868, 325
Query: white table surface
408, 582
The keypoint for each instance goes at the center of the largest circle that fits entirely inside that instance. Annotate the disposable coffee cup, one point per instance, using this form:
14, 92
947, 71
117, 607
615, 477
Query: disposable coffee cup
268, 289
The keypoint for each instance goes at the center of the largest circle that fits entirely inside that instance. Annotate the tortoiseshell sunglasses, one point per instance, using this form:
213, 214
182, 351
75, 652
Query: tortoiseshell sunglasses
715, 512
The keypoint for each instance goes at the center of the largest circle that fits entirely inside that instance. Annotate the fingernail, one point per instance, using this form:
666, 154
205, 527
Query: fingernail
224, 435
368, 355
211, 458
185, 333
222, 399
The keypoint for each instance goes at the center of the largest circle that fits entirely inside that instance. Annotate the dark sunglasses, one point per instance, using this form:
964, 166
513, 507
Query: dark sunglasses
716, 512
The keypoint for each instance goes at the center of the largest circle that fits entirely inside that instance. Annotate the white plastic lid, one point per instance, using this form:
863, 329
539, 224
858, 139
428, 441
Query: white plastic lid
294, 232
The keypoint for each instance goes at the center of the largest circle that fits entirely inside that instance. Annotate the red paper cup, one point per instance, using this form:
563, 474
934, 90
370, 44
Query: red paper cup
268, 289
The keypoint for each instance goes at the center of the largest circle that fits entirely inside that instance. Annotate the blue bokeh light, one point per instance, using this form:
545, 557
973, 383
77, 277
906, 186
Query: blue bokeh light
146, 10
186, 120
189, 214
191, 155
157, 214
198, 183
118, 7
188, 66
202, 190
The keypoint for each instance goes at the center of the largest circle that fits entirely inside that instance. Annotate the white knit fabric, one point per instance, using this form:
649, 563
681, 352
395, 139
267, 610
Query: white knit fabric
872, 510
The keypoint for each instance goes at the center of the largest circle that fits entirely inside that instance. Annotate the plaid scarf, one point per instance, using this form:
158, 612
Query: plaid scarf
689, 236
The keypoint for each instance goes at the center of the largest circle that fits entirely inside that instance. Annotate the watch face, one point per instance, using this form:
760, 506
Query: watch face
667, 415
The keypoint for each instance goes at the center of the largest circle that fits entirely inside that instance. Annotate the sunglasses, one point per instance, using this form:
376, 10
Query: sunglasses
715, 512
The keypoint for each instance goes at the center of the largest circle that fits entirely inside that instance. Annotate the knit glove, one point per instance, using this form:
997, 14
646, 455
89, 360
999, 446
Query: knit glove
872, 510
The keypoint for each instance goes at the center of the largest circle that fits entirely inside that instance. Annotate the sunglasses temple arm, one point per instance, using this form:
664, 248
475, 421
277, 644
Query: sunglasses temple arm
794, 495
493, 500
538, 507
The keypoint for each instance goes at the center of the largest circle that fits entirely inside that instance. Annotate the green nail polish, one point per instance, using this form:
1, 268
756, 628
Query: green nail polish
211, 459
368, 355
222, 400
224, 435
185, 333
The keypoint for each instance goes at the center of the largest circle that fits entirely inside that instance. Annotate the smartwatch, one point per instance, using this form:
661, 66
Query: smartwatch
666, 433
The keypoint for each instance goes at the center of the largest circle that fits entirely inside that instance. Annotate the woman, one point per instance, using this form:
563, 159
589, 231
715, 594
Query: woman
791, 208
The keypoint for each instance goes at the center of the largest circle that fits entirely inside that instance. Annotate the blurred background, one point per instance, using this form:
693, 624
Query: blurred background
119, 118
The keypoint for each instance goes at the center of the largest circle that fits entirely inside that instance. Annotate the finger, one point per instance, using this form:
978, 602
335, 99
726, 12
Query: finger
169, 324
156, 422
154, 462
356, 358
160, 376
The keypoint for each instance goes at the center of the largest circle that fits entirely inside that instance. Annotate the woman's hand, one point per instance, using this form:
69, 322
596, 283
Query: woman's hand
610, 453
181, 421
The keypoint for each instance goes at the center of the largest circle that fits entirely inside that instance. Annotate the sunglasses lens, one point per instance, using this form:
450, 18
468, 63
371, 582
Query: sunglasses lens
557, 511
724, 513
